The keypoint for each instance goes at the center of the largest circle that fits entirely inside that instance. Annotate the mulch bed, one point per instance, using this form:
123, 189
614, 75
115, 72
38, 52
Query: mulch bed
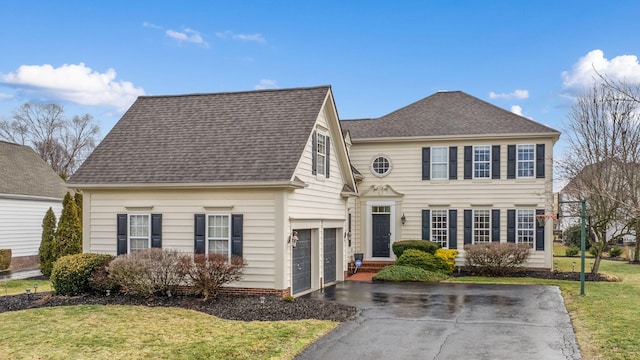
245, 308
549, 275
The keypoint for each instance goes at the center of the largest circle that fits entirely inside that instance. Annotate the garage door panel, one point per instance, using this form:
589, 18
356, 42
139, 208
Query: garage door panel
301, 262
329, 246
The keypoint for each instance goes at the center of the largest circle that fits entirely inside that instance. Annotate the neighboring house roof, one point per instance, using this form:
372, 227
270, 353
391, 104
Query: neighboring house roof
450, 113
240, 137
24, 173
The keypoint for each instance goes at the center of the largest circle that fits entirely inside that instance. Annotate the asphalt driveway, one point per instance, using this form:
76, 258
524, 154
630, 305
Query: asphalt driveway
447, 321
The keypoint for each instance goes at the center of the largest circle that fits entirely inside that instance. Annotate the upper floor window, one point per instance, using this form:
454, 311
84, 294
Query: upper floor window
482, 162
219, 234
525, 226
439, 162
440, 227
322, 151
526, 160
139, 232
481, 226
381, 166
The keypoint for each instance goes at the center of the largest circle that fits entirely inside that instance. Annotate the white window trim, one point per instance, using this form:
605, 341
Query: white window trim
446, 227
533, 229
474, 162
369, 231
474, 228
518, 161
374, 172
207, 238
321, 157
129, 231
445, 162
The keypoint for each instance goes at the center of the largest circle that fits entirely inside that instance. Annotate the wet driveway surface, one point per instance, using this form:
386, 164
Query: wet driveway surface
447, 321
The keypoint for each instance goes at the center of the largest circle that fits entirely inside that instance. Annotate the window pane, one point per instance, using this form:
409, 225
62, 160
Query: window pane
439, 165
219, 247
481, 226
138, 244
321, 154
139, 225
525, 226
481, 161
381, 165
439, 227
218, 234
526, 156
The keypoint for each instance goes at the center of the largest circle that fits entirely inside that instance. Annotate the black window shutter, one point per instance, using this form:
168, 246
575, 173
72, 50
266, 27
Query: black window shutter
495, 162
426, 163
540, 161
314, 153
199, 228
328, 158
468, 219
236, 234
511, 161
468, 162
121, 240
539, 232
453, 229
495, 225
426, 225
156, 230
511, 225
453, 162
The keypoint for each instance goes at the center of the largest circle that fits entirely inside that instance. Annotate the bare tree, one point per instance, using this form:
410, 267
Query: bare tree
63, 143
600, 123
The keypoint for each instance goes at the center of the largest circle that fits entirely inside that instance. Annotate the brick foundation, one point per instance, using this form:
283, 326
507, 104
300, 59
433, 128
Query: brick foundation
23, 262
182, 290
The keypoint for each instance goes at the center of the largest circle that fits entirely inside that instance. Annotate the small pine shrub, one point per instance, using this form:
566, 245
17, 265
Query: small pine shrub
572, 251
208, 273
422, 260
5, 259
407, 273
68, 238
289, 298
149, 272
45, 253
71, 274
615, 251
399, 247
496, 259
449, 257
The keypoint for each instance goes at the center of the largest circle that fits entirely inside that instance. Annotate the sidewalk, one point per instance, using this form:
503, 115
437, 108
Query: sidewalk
19, 274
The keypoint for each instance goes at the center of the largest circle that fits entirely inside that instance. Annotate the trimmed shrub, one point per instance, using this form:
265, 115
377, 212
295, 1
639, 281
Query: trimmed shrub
496, 259
572, 251
399, 247
615, 251
46, 243
422, 260
68, 239
449, 257
71, 274
407, 273
208, 273
5, 259
148, 272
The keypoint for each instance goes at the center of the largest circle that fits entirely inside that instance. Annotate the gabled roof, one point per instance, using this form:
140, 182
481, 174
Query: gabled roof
24, 173
239, 137
451, 113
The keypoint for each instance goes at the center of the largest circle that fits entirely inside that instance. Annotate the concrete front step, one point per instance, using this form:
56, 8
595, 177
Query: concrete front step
373, 266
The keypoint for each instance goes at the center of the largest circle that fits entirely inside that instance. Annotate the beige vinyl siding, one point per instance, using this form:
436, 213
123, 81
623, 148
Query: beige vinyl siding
21, 224
178, 208
406, 178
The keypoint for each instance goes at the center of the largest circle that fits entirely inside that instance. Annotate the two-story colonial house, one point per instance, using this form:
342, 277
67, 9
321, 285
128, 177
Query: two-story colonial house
269, 176
452, 169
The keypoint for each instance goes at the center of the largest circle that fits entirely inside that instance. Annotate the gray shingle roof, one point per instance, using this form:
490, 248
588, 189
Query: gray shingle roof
25, 173
252, 136
444, 114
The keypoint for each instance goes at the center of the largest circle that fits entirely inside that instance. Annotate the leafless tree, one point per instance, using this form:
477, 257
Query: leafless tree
601, 125
63, 143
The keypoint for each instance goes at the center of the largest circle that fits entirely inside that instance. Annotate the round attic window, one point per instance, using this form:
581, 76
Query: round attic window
381, 166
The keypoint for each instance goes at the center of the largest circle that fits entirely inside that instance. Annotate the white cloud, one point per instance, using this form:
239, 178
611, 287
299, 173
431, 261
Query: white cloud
242, 37
4, 96
150, 25
517, 94
516, 110
187, 35
266, 84
75, 83
583, 73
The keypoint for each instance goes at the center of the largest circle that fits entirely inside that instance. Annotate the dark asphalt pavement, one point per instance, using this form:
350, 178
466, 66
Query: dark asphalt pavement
447, 321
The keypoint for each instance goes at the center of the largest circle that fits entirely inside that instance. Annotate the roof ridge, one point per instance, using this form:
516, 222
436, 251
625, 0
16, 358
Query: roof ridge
237, 92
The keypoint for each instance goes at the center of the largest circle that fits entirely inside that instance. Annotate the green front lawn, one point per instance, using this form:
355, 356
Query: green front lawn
131, 332
606, 319
13, 287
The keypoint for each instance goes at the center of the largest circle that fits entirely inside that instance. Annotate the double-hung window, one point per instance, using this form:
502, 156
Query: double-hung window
440, 227
482, 162
219, 234
526, 160
439, 162
525, 226
139, 232
481, 226
322, 154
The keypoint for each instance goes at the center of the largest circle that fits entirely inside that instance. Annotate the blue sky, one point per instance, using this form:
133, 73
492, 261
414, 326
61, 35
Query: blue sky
530, 57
